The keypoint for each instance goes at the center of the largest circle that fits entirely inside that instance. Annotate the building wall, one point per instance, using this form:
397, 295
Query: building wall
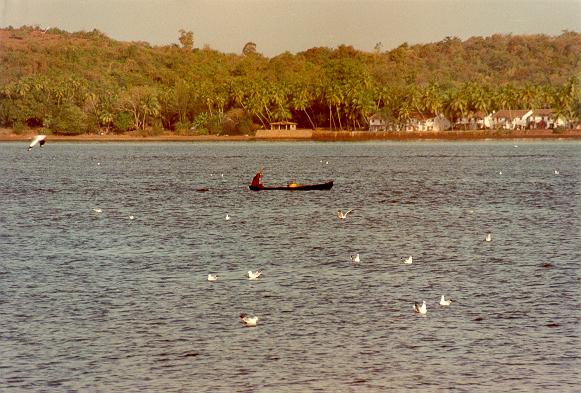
284, 134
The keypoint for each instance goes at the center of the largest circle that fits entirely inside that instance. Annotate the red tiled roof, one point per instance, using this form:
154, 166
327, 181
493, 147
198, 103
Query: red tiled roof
543, 112
478, 115
377, 116
422, 115
510, 114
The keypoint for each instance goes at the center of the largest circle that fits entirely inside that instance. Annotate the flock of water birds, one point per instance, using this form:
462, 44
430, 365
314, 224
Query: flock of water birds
252, 321
421, 309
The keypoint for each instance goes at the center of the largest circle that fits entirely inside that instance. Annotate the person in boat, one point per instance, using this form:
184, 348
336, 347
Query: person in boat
256, 179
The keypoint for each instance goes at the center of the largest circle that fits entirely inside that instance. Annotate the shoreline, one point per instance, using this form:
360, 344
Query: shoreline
8, 135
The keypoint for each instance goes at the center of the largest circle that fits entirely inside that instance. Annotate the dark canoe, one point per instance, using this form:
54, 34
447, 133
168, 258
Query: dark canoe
303, 187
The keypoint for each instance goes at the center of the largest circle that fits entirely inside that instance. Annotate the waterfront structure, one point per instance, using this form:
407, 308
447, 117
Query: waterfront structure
283, 126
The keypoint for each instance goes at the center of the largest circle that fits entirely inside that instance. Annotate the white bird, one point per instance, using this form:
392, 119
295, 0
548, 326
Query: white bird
227, 217
247, 320
39, 139
131, 217
556, 172
342, 215
212, 277
488, 237
254, 275
423, 309
355, 258
97, 210
408, 260
444, 302
500, 173
326, 162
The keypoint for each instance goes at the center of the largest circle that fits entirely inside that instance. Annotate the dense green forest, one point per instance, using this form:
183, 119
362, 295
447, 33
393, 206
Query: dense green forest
85, 82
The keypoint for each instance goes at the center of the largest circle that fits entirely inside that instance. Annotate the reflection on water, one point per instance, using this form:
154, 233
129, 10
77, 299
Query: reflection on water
97, 301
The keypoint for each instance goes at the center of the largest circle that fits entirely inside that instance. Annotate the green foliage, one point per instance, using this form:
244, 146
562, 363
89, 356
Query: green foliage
206, 123
122, 122
80, 82
69, 120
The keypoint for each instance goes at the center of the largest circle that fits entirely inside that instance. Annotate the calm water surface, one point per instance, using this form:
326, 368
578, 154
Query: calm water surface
100, 302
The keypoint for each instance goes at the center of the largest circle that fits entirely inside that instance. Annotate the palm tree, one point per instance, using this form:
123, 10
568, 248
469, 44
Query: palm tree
301, 99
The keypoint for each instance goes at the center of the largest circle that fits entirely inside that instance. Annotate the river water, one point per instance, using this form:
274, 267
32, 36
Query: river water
102, 302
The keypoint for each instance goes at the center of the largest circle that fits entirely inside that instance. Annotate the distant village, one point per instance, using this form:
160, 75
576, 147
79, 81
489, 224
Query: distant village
506, 119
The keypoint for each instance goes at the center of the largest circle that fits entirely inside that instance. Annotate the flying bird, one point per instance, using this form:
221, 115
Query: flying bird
254, 275
408, 260
342, 215
212, 277
444, 302
423, 309
39, 139
247, 320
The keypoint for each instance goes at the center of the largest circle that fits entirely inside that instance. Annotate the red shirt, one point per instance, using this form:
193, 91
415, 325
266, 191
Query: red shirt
256, 180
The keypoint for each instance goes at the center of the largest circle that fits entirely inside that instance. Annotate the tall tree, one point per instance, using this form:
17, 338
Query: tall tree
186, 39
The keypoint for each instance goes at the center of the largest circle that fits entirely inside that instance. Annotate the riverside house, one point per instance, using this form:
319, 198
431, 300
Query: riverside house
378, 122
475, 121
423, 122
283, 126
417, 122
511, 119
545, 118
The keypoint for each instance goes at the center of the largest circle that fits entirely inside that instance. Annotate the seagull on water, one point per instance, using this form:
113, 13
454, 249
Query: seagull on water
342, 215
212, 277
131, 217
227, 217
556, 172
97, 210
247, 320
444, 302
423, 309
355, 258
488, 237
408, 260
39, 139
254, 275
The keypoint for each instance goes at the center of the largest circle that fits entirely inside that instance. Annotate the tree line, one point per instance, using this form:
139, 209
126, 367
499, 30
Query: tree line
86, 82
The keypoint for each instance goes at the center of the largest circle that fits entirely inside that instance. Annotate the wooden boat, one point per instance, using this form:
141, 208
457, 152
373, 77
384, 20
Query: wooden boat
295, 187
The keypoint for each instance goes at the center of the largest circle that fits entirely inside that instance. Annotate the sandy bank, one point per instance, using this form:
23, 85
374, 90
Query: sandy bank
7, 135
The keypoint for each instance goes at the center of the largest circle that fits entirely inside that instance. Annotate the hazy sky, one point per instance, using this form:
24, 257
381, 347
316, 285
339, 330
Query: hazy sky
277, 26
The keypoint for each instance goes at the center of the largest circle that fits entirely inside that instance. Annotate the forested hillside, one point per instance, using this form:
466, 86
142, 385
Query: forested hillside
85, 82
